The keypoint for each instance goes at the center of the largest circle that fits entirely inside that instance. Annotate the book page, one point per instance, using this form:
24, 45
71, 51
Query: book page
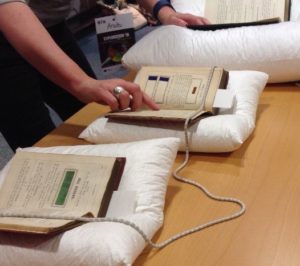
236, 11
65, 184
175, 88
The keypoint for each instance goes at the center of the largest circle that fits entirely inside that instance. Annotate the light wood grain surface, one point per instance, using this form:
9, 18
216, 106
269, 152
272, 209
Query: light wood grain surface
264, 173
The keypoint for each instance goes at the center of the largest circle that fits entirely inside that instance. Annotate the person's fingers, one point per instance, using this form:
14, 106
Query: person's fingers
178, 21
199, 21
124, 99
134, 94
149, 102
138, 97
188, 19
205, 20
125, 94
108, 98
118, 94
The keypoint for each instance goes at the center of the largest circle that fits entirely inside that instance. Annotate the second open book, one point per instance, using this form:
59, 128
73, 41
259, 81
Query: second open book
239, 11
224, 14
46, 184
181, 92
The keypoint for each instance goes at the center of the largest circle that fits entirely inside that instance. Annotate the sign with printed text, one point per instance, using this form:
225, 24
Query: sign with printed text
115, 35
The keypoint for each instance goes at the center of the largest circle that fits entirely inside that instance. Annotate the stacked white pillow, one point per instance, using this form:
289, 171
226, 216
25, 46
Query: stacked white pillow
147, 169
273, 49
222, 133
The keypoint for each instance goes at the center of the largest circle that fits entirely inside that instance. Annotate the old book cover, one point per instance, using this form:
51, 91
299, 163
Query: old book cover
180, 92
57, 184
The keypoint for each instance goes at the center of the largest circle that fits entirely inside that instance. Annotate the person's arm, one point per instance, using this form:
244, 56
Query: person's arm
29, 37
168, 16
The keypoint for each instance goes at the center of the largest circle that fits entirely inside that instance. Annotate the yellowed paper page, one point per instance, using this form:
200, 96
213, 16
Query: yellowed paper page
175, 88
54, 184
235, 11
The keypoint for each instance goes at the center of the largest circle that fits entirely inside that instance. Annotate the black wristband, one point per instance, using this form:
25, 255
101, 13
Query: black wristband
159, 5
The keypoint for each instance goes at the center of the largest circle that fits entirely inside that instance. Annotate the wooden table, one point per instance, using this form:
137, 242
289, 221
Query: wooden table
264, 173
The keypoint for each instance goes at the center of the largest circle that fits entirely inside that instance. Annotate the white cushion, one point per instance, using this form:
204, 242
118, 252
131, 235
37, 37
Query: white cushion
222, 133
147, 169
273, 49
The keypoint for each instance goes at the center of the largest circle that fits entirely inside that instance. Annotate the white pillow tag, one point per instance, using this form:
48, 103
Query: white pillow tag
224, 99
122, 203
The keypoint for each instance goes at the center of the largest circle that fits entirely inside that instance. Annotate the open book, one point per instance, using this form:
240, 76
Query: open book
181, 92
57, 184
228, 13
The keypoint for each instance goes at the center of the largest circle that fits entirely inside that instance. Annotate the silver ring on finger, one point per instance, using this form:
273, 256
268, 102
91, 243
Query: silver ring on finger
117, 91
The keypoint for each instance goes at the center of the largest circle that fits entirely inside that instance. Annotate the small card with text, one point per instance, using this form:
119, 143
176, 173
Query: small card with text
115, 35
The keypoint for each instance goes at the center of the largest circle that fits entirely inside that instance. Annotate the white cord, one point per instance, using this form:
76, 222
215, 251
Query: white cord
210, 195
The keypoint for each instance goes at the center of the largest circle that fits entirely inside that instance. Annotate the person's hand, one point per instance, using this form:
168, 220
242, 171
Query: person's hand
168, 16
181, 19
102, 91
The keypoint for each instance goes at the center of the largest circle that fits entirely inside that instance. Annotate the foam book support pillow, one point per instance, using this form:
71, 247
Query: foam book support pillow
224, 132
273, 49
148, 167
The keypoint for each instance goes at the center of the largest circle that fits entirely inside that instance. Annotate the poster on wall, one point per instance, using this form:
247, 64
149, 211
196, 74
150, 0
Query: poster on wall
115, 35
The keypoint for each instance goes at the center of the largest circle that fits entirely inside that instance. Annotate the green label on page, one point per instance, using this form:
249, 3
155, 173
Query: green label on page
65, 187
